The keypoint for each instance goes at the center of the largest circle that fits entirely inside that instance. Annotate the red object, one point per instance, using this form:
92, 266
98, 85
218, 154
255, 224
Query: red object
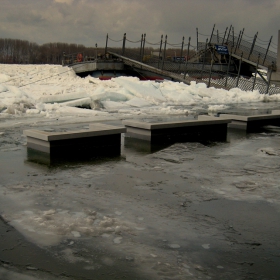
79, 57
104, 78
151, 78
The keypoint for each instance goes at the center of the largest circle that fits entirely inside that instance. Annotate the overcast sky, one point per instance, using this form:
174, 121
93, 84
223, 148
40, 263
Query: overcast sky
88, 21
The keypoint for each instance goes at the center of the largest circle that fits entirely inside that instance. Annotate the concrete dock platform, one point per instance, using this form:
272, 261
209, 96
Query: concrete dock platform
99, 139
189, 130
248, 123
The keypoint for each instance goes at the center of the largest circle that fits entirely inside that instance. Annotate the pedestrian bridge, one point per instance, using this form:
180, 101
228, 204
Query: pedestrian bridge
243, 64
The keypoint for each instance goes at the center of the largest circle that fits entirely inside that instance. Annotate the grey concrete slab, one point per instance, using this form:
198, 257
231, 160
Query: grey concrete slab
97, 137
249, 123
94, 130
252, 118
189, 130
176, 124
97, 66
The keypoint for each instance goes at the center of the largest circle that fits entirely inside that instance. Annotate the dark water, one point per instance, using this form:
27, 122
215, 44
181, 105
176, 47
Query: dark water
181, 211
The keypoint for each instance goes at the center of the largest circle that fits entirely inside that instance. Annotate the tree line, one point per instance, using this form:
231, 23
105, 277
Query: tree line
15, 51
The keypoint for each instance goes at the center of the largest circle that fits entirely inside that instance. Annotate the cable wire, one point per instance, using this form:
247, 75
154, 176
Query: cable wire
115, 40
247, 36
174, 45
133, 41
202, 34
263, 40
153, 43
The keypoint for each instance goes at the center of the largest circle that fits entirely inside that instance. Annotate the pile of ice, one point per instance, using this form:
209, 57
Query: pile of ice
52, 90
61, 223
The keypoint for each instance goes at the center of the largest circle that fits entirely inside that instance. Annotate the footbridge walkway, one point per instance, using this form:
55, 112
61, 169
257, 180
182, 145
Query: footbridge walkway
224, 60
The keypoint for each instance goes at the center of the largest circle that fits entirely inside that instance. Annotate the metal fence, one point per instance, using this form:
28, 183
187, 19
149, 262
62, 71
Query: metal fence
188, 69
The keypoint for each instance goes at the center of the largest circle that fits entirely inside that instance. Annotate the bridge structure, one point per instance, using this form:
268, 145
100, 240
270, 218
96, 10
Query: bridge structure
224, 60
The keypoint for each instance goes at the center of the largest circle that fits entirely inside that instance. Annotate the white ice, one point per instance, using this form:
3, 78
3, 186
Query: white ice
53, 91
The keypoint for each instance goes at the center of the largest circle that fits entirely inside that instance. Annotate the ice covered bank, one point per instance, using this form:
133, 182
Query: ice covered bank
54, 91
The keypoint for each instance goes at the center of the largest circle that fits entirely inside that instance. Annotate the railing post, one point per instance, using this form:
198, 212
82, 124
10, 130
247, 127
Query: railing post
106, 44
210, 74
218, 36
229, 32
159, 55
96, 51
63, 58
197, 39
212, 34
123, 46
233, 36
143, 51
253, 45
163, 57
241, 37
256, 72
204, 57
140, 59
239, 68
229, 61
225, 35
181, 54
187, 58
267, 49
237, 43
269, 77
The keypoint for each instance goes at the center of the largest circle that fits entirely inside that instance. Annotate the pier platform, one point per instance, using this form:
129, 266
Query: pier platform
211, 129
99, 139
248, 123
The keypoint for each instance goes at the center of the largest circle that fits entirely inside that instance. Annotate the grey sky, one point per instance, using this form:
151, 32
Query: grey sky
88, 21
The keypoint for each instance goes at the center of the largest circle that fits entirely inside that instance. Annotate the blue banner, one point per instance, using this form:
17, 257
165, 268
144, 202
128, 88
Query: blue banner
221, 49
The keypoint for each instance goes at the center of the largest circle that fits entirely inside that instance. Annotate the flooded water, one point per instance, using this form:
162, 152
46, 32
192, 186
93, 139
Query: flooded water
181, 211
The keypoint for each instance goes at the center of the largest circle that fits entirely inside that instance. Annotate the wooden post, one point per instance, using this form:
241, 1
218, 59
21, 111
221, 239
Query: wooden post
267, 49
159, 55
181, 54
224, 36
123, 47
210, 74
241, 37
237, 43
229, 33
106, 44
229, 61
204, 57
143, 52
233, 36
163, 57
212, 34
140, 59
239, 68
253, 45
197, 39
187, 58
269, 77
256, 72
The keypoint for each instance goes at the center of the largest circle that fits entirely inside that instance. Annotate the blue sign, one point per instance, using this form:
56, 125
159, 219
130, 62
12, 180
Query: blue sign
221, 49
178, 58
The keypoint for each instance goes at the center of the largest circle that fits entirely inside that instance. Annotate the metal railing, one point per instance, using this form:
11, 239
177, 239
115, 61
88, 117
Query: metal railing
192, 64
